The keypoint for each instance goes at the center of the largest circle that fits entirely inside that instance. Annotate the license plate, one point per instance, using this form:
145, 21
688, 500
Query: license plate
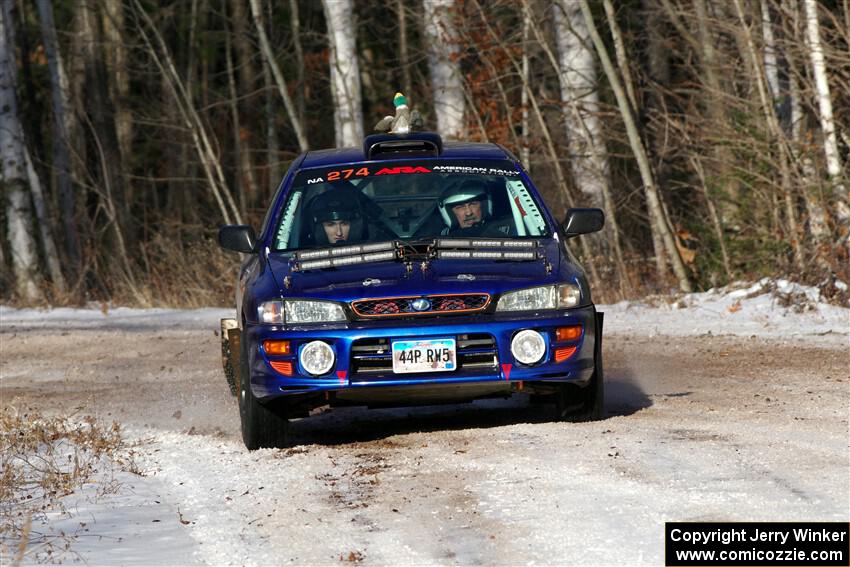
424, 355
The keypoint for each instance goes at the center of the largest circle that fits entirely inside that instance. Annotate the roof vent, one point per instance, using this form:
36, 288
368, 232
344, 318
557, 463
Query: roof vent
387, 146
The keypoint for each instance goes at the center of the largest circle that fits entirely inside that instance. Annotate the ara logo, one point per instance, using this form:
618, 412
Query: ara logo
421, 304
403, 169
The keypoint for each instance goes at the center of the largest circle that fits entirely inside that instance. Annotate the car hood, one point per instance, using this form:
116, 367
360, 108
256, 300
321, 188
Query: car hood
393, 279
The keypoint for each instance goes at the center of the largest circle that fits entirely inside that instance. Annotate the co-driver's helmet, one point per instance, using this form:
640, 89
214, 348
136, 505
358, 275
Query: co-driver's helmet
333, 205
462, 193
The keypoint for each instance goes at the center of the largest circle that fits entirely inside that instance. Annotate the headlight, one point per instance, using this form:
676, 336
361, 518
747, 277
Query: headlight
300, 311
317, 358
306, 311
544, 297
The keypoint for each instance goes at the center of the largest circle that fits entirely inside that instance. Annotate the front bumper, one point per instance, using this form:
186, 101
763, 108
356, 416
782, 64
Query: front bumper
348, 373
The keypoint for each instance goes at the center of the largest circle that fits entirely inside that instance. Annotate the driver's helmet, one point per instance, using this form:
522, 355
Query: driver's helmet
461, 193
333, 205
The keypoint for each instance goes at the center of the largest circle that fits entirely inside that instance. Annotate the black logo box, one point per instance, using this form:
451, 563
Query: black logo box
780, 543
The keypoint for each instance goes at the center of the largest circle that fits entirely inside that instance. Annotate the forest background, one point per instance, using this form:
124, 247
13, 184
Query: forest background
714, 133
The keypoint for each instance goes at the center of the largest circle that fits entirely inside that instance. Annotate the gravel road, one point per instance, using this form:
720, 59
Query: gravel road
697, 428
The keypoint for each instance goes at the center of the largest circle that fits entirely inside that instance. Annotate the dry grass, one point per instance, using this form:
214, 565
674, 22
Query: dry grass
42, 460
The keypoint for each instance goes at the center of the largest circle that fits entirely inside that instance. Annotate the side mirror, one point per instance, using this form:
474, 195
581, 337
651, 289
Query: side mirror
237, 237
583, 221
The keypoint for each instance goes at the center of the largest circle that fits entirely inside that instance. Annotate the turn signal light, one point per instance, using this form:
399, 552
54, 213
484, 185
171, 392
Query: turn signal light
276, 347
561, 354
284, 368
568, 333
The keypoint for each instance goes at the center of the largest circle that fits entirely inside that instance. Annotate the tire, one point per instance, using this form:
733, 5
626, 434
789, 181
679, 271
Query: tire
264, 425
588, 403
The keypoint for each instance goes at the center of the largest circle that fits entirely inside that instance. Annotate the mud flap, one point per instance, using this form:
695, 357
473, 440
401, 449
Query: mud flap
230, 349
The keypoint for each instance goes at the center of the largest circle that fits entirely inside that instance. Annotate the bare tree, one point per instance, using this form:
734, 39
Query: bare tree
268, 54
345, 72
830, 142
653, 199
446, 80
22, 242
64, 124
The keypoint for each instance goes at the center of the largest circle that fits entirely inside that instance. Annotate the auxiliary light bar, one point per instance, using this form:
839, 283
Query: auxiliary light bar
345, 250
485, 243
486, 254
345, 260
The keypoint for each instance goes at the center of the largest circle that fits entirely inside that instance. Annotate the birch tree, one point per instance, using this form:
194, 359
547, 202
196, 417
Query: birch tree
830, 142
443, 50
22, 241
345, 72
580, 96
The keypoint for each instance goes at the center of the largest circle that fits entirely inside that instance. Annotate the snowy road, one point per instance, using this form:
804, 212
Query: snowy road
712, 427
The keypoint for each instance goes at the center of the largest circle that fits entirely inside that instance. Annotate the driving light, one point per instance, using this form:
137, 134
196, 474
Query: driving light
317, 358
528, 347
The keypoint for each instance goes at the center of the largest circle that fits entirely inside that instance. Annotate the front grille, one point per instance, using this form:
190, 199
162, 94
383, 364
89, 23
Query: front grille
414, 305
373, 357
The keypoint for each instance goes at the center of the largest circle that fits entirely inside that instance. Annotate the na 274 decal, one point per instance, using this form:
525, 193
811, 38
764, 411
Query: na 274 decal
348, 173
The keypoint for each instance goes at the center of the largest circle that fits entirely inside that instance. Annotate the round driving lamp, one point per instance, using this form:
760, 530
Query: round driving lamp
317, 358
528, 347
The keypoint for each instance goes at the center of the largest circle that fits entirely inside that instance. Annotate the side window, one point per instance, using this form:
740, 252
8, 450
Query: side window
289, 223
526, 215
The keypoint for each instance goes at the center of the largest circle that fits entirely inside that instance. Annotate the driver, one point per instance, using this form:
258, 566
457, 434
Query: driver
337, 218
465, 208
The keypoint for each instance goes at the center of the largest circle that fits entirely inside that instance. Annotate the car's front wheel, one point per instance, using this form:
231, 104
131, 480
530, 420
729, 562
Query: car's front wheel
588, 403
264, 425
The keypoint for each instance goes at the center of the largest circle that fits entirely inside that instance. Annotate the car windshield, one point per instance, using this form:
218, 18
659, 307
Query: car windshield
407, 201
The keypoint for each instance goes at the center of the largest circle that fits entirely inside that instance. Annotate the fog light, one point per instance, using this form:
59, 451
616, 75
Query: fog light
317, 358
528, 347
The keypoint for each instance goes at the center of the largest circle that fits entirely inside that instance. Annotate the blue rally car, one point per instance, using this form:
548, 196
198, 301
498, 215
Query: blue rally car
409, 272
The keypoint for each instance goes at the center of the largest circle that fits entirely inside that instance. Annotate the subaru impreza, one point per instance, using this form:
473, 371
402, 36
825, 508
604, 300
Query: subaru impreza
409, 272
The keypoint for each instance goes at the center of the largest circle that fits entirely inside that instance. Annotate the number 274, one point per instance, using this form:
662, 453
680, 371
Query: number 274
346, 173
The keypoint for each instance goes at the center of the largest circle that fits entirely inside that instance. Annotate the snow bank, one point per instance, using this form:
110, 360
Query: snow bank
770, 309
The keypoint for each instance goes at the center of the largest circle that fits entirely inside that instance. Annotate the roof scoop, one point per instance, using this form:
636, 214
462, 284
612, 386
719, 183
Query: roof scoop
390, 146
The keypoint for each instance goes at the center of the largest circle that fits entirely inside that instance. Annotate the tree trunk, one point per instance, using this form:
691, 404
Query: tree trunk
830, 142
443, 50
773, 126
652, 196
22, 242
119, 77
63, 126
272, 142
524, 152
268, 54
403, 50
48, 245
300, 86
818, 226
587, 151
345, 73
102, 124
